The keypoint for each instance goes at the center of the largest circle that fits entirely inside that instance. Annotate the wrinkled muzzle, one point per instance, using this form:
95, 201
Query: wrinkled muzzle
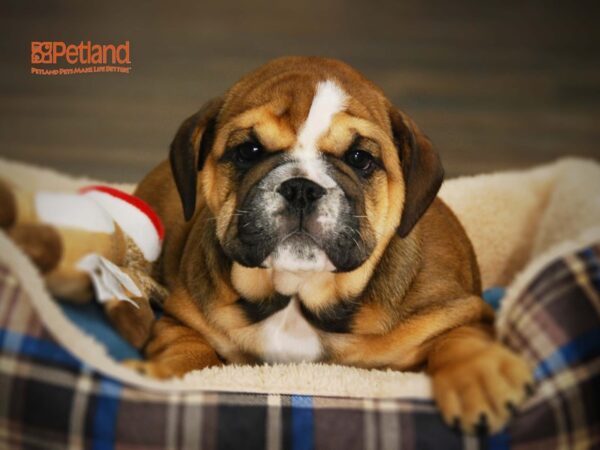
295, 221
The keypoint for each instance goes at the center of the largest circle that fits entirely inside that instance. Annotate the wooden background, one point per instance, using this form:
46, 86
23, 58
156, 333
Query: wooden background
494, 84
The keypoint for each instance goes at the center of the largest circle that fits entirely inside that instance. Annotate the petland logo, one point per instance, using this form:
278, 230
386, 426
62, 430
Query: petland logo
74, 59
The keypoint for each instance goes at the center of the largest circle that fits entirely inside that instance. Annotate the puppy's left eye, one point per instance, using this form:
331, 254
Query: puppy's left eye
360, 160
248, 153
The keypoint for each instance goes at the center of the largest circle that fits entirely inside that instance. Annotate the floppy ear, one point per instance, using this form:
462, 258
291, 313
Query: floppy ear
189, 150
421, 167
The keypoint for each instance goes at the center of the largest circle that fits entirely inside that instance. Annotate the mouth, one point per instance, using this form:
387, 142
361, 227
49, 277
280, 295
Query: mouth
299, 252
300, 237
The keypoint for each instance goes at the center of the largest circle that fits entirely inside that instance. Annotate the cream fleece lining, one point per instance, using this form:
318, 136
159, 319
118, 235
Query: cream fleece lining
518, 221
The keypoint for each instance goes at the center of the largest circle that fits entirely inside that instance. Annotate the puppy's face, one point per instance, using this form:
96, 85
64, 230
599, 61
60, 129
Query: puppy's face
304, 196
305, 167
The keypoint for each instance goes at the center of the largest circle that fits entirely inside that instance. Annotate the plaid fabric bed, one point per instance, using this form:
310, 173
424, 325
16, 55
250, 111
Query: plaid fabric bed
49, 399
555, 324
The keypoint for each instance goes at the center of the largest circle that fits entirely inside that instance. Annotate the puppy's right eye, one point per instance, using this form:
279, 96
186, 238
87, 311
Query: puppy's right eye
248, 153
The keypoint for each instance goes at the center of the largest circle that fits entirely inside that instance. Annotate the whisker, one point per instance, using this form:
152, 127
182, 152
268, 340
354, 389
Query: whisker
361, 248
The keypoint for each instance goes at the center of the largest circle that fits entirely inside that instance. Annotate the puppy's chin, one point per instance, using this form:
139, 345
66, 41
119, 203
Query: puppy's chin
298, 254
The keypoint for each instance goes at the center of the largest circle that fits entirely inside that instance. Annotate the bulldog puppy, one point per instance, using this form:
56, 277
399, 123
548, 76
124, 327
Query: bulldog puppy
302, 224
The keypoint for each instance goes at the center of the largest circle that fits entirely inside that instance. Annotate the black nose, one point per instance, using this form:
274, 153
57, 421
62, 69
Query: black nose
300, 193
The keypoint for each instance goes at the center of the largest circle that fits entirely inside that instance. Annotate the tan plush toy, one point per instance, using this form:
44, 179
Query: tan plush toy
98, 241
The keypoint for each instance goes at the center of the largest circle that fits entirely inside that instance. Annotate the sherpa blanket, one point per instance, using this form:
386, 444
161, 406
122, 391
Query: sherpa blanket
537, 232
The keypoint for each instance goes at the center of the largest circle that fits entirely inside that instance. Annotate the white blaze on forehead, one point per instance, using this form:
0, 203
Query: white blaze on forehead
329, 100
306, 162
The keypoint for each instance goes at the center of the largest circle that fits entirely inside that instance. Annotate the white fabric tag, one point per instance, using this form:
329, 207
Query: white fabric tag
108, 279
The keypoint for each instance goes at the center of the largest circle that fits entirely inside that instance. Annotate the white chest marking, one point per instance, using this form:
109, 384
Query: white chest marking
287, 337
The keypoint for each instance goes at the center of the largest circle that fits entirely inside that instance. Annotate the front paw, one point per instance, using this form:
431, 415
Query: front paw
42, 243
480, 393
149, 368
173, 366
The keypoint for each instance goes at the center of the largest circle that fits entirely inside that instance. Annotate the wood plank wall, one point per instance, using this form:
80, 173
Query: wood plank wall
494, 84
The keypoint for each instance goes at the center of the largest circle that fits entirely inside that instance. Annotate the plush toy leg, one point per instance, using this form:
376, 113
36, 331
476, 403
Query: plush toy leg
50, 250
134, 324
40, 242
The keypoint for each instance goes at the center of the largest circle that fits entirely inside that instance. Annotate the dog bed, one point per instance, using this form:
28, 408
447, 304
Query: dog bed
536, 232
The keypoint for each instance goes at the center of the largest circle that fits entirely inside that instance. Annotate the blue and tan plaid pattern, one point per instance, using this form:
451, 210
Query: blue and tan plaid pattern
49, 399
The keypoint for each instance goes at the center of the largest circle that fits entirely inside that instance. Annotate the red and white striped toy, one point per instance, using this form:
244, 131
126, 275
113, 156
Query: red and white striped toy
133, 215
98, 209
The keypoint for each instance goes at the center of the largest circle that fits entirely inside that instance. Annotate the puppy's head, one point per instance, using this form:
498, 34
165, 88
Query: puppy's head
305, 166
